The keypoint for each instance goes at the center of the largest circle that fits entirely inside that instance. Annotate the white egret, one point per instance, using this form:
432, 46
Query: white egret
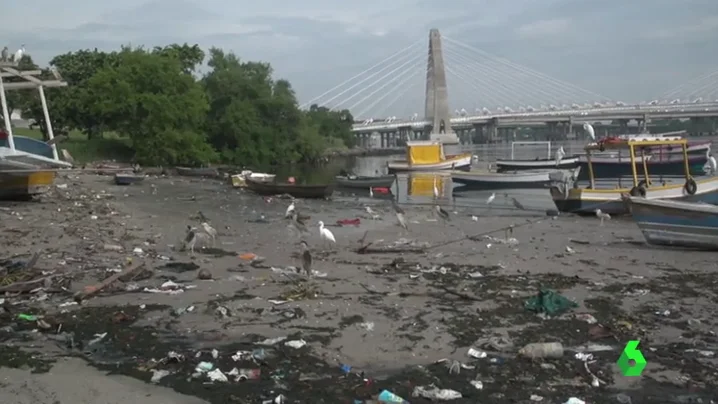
211, 232
325, 234
491, 198
371, 213
371, 192
19, 53
589, 129
290, 210
712, 165
602, 215
399, 215
560, 154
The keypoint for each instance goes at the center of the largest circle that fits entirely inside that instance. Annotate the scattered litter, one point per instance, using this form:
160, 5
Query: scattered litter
387, 396
157, 375
549, 302
434, 393
477, 384
296, 344
216, 375
474, 353
542, 350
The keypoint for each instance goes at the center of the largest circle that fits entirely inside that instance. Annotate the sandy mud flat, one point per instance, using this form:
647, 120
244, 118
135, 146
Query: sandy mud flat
400, 321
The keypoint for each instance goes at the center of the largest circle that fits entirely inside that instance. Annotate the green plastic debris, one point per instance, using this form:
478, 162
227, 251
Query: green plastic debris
549, 302
27, 317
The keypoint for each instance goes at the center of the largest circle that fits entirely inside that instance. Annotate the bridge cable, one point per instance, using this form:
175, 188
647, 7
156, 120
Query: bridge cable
397, 91
392, 56
557, 97
497, 90
396, 77
526, 70
700, 92
481, 91
508, 84
677, 91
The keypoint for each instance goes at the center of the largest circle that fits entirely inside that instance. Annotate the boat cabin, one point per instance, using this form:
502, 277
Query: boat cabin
639, 148
424, 152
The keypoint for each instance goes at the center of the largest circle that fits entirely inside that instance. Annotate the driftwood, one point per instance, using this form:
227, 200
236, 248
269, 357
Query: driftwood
92, 290
27, 286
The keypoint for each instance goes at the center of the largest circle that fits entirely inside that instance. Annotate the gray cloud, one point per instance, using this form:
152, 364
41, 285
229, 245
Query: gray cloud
627, 50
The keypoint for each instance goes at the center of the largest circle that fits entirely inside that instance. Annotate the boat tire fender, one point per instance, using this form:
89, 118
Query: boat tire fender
691, 187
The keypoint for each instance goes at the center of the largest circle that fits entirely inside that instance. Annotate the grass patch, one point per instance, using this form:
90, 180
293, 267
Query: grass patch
108, 147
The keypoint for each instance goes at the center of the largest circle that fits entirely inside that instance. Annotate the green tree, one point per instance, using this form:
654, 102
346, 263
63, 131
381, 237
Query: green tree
333, 124
147, 97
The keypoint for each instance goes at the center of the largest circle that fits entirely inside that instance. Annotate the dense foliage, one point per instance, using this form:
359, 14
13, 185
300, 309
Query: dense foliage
234, 113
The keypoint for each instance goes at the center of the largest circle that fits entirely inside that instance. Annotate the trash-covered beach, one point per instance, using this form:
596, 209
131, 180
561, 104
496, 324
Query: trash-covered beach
520, 307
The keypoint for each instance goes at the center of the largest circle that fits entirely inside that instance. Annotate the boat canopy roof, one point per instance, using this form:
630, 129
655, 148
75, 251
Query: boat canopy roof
419, 143
623, 142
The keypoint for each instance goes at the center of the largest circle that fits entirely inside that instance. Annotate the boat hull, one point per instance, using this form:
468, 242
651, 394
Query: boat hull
586, 201
519, 180
25, 185
459, 162
128, 179
676, 224
239, 180
197, 172
296, 191
385, 181
537, 164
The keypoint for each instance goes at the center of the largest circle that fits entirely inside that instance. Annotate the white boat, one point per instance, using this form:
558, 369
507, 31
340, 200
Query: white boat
515, 180
240, 180
674, 223
429, 156
27, 154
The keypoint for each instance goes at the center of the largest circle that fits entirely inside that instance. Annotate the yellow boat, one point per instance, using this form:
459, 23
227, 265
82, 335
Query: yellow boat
429, 156
24, 184
570, 198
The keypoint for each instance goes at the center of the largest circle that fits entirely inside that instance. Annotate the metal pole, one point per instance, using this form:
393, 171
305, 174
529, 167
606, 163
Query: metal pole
6, 116
48, 124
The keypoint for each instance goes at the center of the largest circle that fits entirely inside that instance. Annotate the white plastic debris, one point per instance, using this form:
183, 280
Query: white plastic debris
535, 397
574, 400
296, 344
215, 353
369, 325
271, 341
477, 384
475, 353
157, 375
434, 393
98, 338
217, 376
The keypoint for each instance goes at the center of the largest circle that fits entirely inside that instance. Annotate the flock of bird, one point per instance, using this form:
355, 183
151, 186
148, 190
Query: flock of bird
15, 58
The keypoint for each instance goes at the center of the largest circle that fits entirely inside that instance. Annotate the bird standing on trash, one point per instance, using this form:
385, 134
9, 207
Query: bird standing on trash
306, 259
325, 234
602, 215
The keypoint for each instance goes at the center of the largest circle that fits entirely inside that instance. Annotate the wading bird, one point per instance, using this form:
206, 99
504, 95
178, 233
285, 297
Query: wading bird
194, 236
442, 213
371, 193
19, 53
560, 154
517, 204
491, 198
290, 210
298, 224
602, 215
211, 232
589, 129
306, 259
712, 165
371, 213
5, 54
325, 234
399, 215
436, 190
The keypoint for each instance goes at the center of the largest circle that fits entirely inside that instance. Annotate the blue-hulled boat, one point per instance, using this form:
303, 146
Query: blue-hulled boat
675, 223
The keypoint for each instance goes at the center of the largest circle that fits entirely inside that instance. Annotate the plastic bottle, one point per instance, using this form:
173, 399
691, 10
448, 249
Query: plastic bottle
387, 396
542, 350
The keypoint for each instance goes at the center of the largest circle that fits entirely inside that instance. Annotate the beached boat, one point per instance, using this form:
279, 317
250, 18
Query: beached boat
352, 181
569, 197
662, 161
239, 180
429, 156
24, 184
548, 163
513, 180
21, 152
128, 178
675, 223
197, 172
297, 191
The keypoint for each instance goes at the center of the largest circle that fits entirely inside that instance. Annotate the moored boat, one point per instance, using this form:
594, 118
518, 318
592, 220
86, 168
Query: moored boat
675, 223
296, 191
505, 180
352, 181
429, 156
197, 172
21, 152
570, 198
565, 163
239, 180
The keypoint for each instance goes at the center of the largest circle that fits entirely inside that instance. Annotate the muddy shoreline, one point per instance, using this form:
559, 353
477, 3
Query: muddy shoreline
369, 321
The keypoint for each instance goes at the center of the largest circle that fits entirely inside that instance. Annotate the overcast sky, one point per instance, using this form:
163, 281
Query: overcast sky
513, 53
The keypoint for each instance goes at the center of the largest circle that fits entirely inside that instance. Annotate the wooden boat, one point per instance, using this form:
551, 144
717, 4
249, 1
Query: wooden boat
297, 191
24, 184
384, 181
128, 178
662, 161
568, 197
239, 180
429, 156
676, 223
515, 180
27, 153
197, 172
566, 163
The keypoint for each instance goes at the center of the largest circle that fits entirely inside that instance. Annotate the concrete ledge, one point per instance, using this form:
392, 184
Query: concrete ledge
445, 138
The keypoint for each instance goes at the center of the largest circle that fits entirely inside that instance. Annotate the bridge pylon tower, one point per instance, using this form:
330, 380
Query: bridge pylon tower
437, 95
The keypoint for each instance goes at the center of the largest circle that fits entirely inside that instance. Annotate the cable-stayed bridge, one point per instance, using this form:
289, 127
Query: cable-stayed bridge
497, 93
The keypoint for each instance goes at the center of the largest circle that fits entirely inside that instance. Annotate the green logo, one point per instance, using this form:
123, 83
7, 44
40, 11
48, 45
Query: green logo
631, 353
